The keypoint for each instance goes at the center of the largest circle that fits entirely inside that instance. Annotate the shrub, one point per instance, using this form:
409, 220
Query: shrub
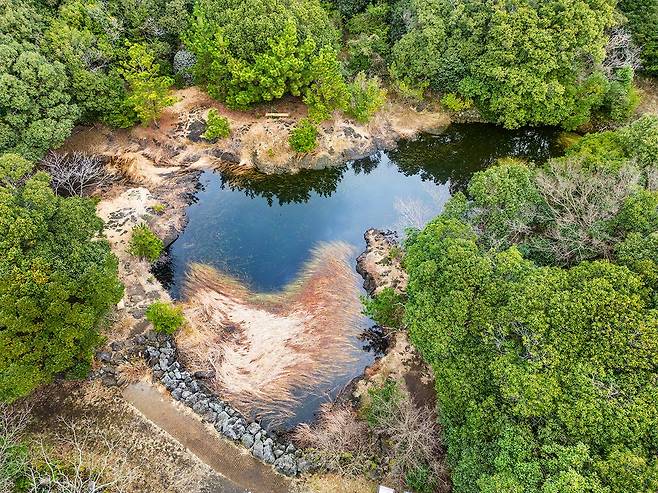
145, 244
366, 98
385, 308
455, 103
303, 138
165, 317
218, 126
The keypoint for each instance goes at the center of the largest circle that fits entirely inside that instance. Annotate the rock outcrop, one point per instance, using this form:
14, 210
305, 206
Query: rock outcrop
380, 264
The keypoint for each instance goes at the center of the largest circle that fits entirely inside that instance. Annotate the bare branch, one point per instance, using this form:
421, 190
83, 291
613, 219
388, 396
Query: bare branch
75, 174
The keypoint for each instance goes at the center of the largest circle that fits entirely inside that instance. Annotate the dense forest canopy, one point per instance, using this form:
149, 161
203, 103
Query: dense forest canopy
534, 295
558, 62
534, 298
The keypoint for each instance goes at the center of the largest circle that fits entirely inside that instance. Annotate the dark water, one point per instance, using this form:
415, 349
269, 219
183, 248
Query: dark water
262, 229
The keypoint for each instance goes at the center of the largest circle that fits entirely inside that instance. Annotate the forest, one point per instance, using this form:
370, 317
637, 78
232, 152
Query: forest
533, 295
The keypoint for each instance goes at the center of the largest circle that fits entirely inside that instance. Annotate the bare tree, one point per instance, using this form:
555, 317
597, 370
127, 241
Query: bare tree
75, 174
580, 204
13, 421
621, 52
652, 178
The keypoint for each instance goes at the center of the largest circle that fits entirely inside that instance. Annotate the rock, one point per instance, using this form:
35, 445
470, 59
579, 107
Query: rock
286, 464
117, 345
278, 453
222, 418
290, 449
258, 449
204, 374
253, 428
109, 381
177, 394
268, 454
247, 440
105, 357
303, 466
201, 407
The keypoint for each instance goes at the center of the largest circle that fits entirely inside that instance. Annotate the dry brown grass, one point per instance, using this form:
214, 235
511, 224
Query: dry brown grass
133, 372
264, 347
334, 483
112, 434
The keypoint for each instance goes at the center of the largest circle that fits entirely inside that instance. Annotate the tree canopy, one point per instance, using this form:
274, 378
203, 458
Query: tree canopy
58, 279
534, 299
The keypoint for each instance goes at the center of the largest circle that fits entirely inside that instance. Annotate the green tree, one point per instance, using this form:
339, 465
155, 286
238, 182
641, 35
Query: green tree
545, 376
36, 112
58, 279
522, 62
149, 92
254, 51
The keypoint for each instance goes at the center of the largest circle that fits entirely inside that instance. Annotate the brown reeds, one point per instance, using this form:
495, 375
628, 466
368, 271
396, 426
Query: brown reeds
264, 347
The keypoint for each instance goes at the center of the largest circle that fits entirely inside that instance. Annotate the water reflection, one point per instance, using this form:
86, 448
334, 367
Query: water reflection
261, 228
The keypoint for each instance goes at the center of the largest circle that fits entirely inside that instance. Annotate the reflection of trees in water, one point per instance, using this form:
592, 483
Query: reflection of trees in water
286, 189
451, 157
464, 149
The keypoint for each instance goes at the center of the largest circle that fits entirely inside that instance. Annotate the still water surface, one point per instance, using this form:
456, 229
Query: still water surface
262, 229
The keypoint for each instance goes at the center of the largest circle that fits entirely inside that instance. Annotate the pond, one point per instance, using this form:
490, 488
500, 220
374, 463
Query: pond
263, 229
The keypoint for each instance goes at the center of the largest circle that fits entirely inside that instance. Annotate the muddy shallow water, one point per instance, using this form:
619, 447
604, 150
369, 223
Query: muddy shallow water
263, 229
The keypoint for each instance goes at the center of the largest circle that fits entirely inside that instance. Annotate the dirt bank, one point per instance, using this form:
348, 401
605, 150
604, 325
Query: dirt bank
257, 142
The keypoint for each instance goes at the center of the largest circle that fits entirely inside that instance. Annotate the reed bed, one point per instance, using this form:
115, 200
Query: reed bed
265, 347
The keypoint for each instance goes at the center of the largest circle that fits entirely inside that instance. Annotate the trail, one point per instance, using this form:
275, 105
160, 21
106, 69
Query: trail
242, 473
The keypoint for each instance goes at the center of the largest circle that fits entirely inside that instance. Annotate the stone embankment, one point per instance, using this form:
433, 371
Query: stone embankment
189, 389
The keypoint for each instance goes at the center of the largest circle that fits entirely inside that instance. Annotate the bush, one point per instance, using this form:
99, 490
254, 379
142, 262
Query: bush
455, 103
165, 317
366, 98
218, 126
385, 308
145, 244
303, 138
58, 280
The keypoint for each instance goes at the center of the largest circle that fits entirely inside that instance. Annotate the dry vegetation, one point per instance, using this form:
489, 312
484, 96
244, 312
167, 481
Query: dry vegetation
398, 439
102, 438
264, 347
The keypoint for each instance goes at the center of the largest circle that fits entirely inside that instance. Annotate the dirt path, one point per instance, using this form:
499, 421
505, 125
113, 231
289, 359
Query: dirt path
243, 473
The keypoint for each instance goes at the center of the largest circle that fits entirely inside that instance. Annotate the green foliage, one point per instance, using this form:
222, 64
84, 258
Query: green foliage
165, 317
145, 244
546, 376
58, 279
149, 92
217, 126
376, 410
421, 480
543, 375
366, 98
455, 103
523, 62
253, 51
304, 137
385, 308
368, 45
36, 112
327, 90
643, 19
